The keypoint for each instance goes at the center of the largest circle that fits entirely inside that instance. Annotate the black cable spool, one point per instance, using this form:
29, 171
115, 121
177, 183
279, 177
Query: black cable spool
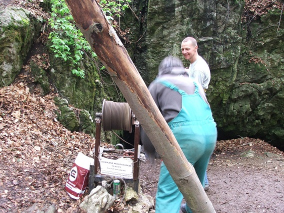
116, 116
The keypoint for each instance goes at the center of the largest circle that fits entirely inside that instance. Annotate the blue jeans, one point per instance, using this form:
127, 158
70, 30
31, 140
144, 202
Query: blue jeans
206, 182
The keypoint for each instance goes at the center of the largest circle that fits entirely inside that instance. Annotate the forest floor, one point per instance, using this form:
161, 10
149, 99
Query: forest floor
246, 175
37, 153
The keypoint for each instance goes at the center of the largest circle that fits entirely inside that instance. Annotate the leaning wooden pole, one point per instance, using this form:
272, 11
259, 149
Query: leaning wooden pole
108, 47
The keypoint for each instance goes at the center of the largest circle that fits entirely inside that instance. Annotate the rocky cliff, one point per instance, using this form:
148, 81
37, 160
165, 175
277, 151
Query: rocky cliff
243, 44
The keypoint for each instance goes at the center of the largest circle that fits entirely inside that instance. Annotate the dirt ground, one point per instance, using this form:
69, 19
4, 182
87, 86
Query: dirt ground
246, 175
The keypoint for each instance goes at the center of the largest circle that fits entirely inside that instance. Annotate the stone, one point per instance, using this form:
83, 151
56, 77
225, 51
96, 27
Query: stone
130, 194
98, 201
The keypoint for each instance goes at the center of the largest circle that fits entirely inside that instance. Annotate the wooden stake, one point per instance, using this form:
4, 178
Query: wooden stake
110, 50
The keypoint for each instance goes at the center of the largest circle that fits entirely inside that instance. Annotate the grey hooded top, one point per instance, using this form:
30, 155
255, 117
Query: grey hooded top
169, 101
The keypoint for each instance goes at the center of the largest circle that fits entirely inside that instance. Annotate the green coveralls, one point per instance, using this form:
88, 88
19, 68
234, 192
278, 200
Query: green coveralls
195, 131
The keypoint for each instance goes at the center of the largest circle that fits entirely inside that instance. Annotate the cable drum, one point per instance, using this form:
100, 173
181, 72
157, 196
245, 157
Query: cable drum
116, 116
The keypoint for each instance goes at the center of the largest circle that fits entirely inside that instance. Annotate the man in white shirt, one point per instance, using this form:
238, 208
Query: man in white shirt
198, 70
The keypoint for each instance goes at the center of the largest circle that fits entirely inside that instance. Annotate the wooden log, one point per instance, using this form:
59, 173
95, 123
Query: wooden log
105, 43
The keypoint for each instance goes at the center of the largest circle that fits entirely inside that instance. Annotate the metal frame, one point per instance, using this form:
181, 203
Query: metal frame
94, 176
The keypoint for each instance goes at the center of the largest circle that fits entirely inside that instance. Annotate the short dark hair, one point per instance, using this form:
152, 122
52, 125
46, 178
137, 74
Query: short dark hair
191, 39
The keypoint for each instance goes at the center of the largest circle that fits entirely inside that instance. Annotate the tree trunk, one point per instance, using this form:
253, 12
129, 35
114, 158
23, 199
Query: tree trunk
108, 47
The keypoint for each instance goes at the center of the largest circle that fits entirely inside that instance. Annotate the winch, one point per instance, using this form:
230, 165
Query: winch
116, 116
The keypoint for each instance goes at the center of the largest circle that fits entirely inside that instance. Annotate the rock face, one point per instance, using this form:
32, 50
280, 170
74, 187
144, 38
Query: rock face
17, 33
24, 47
244, 54
243, 46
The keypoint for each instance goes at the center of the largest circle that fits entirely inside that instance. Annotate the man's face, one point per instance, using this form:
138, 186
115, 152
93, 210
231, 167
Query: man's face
189, 51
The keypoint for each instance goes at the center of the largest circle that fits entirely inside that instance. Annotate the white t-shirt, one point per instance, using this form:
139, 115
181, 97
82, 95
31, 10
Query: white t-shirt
200, 71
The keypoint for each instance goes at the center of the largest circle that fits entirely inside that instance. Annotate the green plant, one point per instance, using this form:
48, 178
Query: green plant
67, 42
114, 8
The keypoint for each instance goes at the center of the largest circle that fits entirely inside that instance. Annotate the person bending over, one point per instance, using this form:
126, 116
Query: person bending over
184, 106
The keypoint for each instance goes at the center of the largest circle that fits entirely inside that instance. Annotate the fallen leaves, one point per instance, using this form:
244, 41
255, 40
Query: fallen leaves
256, 8
36, 151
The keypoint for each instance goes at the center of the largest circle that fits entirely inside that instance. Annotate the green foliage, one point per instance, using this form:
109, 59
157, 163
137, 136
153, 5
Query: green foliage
114, 8
67, 42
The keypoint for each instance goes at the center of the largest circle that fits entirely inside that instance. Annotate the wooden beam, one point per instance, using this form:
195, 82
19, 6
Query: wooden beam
110, 50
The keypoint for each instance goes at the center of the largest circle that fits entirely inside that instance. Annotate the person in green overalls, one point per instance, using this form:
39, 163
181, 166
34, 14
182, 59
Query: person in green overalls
184, 106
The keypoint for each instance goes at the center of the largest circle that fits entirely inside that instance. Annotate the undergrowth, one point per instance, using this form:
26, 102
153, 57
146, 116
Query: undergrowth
67, 41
